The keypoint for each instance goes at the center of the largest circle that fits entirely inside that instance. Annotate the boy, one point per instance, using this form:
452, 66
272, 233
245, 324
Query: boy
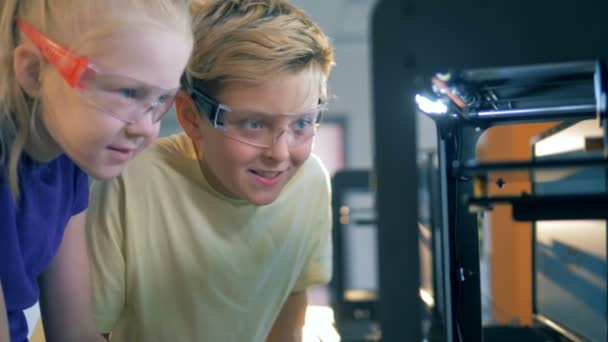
215, 234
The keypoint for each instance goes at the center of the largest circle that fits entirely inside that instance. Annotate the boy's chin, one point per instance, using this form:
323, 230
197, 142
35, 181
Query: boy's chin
262, 199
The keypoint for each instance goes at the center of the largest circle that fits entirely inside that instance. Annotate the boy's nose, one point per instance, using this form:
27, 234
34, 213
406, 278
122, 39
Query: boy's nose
280, 148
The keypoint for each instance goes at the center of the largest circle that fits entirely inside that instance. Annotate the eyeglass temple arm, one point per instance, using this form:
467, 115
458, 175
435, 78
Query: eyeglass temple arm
207, 106
70, 65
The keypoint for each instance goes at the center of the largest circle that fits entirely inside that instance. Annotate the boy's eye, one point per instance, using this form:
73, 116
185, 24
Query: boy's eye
129, 93
252, 124
303, 123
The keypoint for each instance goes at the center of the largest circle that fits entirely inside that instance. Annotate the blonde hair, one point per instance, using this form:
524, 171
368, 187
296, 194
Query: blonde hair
253, 40
60, 20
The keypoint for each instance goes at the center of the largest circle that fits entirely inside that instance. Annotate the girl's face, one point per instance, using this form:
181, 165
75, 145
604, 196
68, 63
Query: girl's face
99, 142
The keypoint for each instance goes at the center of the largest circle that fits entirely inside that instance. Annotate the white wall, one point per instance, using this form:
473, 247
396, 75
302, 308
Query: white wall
346, 22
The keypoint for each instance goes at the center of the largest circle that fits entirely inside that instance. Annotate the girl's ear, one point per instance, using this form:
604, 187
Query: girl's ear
187, 116
27, 63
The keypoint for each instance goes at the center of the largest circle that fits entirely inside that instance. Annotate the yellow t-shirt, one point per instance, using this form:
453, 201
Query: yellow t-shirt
174, 260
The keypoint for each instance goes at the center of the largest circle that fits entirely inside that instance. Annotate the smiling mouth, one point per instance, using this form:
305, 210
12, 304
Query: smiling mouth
121, 154
266, 174
121, 150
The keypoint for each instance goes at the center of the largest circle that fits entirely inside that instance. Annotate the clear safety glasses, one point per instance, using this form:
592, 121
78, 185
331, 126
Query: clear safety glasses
258, 129
123, 98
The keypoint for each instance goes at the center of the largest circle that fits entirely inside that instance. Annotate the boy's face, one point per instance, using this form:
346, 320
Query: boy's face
258, 174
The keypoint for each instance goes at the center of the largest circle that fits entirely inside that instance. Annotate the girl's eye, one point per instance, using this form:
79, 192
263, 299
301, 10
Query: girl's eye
163, 99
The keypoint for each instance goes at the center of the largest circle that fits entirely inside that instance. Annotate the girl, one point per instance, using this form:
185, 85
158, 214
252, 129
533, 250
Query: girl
84, 85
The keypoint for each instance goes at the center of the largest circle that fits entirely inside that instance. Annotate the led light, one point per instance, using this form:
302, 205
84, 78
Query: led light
431, 107
426, 297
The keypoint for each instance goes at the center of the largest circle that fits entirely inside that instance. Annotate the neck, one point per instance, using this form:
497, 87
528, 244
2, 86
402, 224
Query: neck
208, 174
40, 146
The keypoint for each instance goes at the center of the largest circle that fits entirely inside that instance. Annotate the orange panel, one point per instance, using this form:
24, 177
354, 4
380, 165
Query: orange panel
511, 253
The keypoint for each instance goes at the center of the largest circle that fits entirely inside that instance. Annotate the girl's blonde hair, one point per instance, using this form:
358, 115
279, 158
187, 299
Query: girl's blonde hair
63, 21
253, 40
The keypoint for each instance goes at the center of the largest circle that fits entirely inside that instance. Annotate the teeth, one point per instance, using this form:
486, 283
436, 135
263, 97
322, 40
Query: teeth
266, 174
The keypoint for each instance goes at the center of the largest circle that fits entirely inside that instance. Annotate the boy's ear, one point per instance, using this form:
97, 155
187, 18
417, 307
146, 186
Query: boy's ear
26, 63
187, 115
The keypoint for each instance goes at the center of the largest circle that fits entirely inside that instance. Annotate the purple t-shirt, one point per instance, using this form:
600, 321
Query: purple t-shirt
31, 232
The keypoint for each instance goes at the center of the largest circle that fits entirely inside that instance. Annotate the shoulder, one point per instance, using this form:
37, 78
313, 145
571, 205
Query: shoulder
65, 166
313, 171
72, 180
164, 167
165, 148
177, 143
165, 156
312, 179
60, 173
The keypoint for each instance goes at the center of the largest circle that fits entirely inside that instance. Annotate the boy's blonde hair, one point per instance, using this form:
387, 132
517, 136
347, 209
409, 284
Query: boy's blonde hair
254, 40
68, 22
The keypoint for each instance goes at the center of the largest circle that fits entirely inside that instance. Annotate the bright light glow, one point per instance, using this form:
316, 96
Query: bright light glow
427, 298
319, 325
430, 107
